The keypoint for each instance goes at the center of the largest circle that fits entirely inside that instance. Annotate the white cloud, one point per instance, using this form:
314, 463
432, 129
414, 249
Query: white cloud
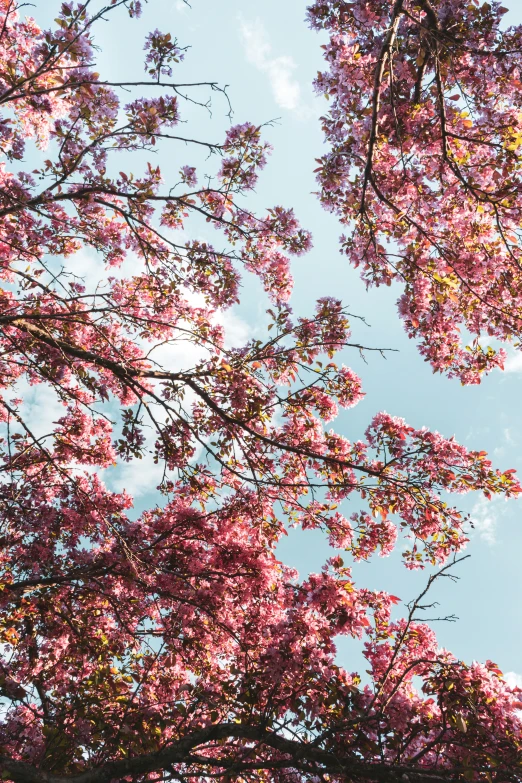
513, 679
237, 331
139, 477
513, 362
485, 515
40, 408
285, 88
181, 354
509, 440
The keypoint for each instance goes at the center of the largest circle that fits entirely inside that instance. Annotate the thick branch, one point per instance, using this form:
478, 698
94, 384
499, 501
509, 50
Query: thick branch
299, 755
376, 98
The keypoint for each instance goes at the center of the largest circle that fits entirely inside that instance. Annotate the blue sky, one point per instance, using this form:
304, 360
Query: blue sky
268, 57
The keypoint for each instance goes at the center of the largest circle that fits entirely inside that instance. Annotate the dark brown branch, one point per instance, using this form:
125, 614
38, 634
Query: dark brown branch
298, 754
376, 97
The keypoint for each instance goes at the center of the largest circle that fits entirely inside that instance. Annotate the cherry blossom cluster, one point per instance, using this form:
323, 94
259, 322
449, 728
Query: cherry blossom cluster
424, 130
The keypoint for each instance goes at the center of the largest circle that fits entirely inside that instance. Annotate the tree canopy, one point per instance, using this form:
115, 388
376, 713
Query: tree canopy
174, 644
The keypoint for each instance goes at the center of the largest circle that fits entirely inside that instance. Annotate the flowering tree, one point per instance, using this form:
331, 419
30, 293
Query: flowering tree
175, 645
425, 130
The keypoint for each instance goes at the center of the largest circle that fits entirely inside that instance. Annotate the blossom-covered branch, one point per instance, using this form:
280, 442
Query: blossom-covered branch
424, 132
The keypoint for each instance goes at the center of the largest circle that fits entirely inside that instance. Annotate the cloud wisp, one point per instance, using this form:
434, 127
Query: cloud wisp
513, 362
279, 70
485, 516
513, 679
